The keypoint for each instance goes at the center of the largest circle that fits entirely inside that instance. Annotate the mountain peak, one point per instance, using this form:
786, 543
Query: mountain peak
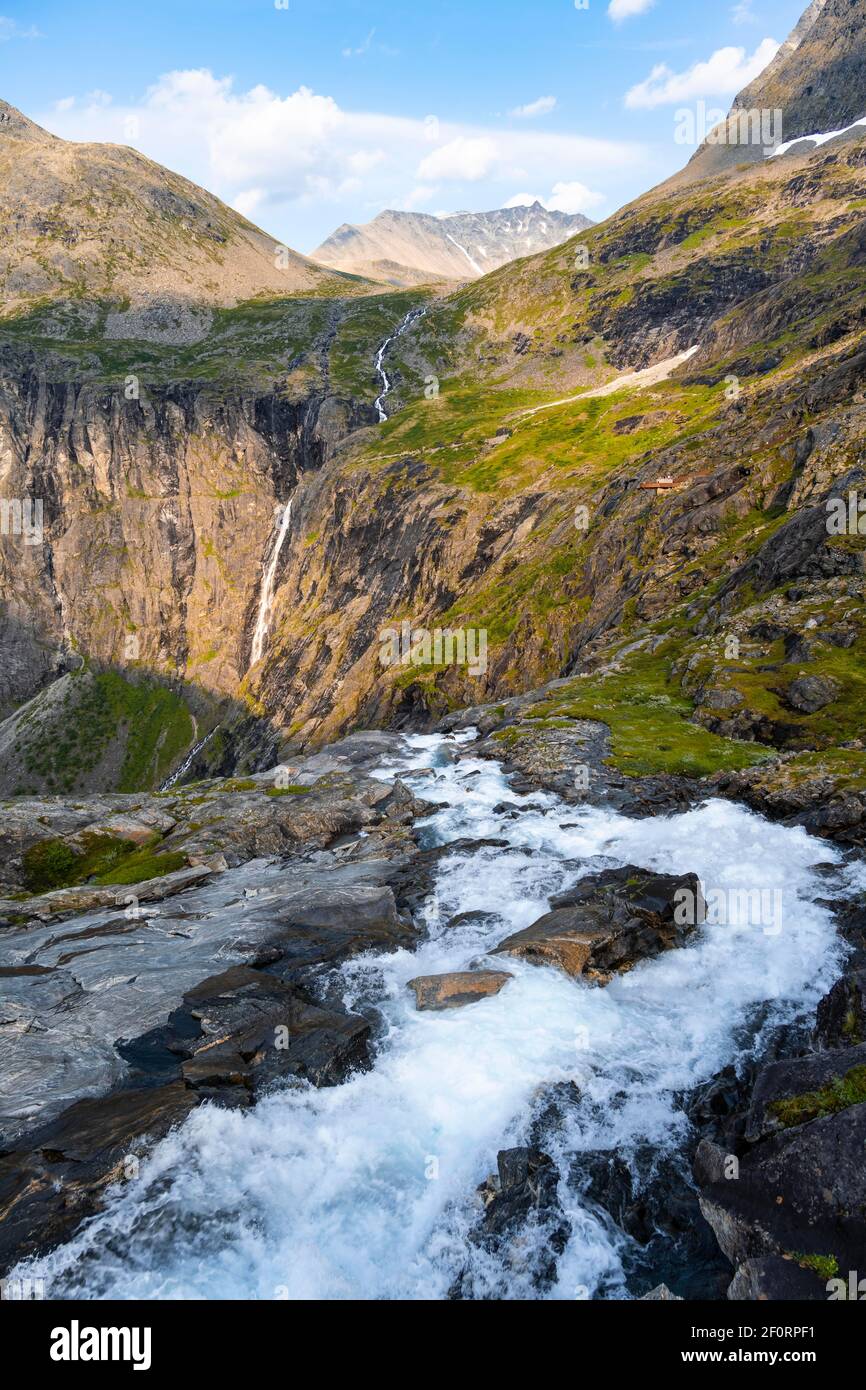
408, 248
817, 81
106, 220
14, 122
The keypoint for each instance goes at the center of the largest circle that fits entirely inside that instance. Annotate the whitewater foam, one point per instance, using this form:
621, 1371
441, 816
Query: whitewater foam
366, 1190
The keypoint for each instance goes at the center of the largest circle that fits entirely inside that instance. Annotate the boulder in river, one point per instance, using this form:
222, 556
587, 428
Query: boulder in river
608, 922
459, 987
255, 1029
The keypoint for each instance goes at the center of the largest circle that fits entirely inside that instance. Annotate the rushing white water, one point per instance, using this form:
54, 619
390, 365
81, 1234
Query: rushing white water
379, 402
266, 596
365, 1190
188, 761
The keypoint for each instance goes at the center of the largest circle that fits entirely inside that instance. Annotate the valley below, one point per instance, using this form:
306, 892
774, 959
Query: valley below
432, 753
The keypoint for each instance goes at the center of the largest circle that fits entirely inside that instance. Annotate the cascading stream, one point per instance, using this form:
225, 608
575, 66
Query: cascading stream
366, 1190
266, 595
188, 761
379, 403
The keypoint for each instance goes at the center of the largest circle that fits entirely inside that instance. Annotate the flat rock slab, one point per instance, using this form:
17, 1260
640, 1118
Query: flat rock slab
88, 898
49, 1187
610, 921
73, 993
460, 987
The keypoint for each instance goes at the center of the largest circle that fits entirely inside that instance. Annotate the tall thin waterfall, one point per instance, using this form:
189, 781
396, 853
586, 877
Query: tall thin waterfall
266, 597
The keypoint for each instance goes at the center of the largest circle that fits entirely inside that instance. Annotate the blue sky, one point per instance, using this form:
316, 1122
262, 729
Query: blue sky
328, 111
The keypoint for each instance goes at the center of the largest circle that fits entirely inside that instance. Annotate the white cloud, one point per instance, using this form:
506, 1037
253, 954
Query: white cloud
722, 74
535, 108
280, 158
64, 104
626, 9
742, 13
464, 159
573, 197
417, 197
566, 197
11, 29
367, 45
247, 202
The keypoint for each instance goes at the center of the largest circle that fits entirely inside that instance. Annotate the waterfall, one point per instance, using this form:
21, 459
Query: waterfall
266, 597
412, 316
188, 761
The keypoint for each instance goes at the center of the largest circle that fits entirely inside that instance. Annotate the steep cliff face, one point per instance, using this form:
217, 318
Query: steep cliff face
707, 337
509, 499
157, 514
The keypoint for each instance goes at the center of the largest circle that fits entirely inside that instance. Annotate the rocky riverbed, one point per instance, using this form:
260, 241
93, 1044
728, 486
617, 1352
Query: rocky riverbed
409, 1021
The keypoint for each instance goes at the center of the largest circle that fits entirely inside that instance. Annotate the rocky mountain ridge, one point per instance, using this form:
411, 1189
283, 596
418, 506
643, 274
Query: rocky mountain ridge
97, 220
407, 248
816, 82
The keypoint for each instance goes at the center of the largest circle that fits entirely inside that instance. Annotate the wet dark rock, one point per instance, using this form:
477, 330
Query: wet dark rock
471, 920
60, 1177
523, 1195
609, 921
717, 1108
653, 1201
803, 1190
793, 1080
781, 1174
841, 1017
775, 1280
256, 1030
